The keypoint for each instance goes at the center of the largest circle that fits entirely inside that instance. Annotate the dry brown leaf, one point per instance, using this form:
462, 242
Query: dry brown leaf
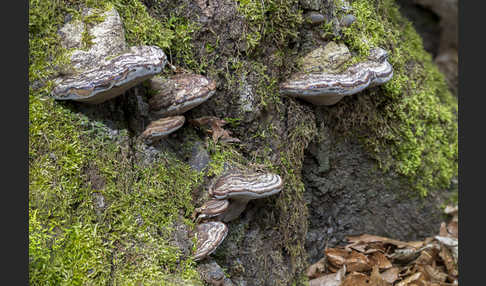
426, 257
379, 259
376, 279
356, 279
336, 256
357, 262
390, 275
317, 269
443, 229
435, 274
448, 260
452, 229
217, 131
374, 238
334, 279
409, 279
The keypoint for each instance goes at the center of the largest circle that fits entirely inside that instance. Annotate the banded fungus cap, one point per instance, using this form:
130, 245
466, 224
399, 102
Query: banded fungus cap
209, 236
179, 93
242, 187
163, 127
212, 208
113, 77
327, 88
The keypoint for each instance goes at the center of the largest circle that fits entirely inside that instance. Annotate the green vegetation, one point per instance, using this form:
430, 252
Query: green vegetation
271, 21
73, 160
410, 123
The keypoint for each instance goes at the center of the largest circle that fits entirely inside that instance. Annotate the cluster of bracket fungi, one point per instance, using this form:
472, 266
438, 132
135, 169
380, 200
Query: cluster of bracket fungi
100, 76
230, 194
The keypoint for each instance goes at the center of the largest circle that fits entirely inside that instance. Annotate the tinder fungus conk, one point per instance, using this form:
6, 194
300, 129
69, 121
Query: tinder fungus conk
179, 93
209, 237
327, 87
113, 77
162, 128
241, 187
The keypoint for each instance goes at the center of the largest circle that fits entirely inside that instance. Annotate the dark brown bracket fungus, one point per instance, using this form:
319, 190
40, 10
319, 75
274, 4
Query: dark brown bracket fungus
326, 88
179, 93
113, 77
242, 187
161, 128
211, 209
209, 237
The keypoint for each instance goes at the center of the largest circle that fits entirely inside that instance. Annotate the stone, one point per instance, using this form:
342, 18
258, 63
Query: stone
199, 157
348, 20
315, 18
108, 38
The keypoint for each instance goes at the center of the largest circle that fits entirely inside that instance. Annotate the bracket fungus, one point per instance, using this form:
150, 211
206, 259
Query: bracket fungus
209, 237
179, 93
112, 77
162, 128
240, 188
211, 208
327, 88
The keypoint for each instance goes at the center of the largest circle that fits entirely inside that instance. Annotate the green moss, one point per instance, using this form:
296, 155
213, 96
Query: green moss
409, 125
272, 21
73, 157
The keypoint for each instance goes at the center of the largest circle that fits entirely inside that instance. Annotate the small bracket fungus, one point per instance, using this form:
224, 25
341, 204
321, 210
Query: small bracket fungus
242, 187
179, 93
209, 237
327, 88
113, 77
162, 128
211, 208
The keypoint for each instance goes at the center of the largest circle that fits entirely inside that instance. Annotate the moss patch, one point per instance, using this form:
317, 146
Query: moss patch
74, 240
409, 125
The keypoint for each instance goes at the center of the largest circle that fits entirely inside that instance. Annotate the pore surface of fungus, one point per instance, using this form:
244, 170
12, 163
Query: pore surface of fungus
179, 93
327, 88
163, 127
242, 187
112, 77
209, 237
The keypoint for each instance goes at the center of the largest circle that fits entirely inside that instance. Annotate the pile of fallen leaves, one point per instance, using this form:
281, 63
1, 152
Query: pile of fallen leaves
374, 260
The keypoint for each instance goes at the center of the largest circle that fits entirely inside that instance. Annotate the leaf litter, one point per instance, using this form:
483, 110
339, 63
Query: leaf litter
370, 260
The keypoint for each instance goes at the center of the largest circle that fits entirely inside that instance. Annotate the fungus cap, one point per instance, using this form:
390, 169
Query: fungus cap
246, 185
326, 88
163, 127
179, 93
212, 208
113, 77
209, 236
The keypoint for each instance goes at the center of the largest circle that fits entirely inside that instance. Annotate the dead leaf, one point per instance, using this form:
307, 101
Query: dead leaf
374, 238
356, 279
426, 257
357, 262
448, 260
435, 274
443, 229
336, 256
451, 209
379, 259
376, 279
217, 131
390, 275
333, 279
316, 269
409, 279
452, 229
